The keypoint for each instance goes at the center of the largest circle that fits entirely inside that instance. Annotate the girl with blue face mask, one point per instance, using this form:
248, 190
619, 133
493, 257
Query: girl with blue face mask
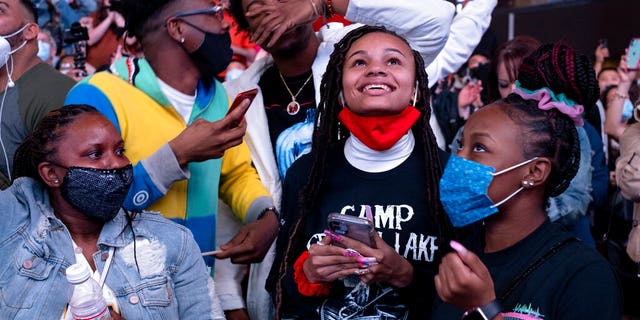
514, 154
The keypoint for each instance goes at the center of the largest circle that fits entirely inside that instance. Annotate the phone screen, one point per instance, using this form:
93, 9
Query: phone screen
633, 53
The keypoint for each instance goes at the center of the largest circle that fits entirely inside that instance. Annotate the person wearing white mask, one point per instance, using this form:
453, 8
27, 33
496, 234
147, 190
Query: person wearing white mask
29, 88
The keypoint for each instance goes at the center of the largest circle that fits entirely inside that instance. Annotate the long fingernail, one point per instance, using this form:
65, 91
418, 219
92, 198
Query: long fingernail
332, 235
361, 272
460, 249
351, 253
369, 215
367, 259
364, 264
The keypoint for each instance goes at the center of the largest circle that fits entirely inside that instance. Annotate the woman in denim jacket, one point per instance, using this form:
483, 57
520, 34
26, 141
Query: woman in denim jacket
65, 208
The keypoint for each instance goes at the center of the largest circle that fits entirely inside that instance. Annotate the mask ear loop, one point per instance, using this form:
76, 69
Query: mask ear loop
507, 170
415, 95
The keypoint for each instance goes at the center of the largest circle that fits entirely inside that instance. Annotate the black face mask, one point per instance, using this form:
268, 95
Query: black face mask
98, 193
213, 55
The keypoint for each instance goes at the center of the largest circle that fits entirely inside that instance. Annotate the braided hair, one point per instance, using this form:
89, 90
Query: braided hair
329, 133
40, 145
551, 133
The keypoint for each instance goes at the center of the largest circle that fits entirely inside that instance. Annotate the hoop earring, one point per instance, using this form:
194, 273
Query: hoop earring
341, 99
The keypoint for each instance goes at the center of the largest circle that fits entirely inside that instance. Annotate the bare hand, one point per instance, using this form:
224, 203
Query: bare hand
327, 263
275, 19
463, 280
390, 267
469, 97
204, 140
252, 241
86, 22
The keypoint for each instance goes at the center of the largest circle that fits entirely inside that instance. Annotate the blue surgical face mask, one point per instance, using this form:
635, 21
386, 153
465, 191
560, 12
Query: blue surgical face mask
463, 190
44, 50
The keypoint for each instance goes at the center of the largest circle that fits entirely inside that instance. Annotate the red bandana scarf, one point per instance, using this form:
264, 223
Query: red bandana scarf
379, 133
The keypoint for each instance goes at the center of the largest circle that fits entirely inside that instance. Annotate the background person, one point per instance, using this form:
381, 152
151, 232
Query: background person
29, 87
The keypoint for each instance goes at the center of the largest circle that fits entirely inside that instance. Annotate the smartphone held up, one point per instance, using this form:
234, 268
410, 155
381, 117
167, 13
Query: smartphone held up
633, 54
249, 94
241, 97
356, 228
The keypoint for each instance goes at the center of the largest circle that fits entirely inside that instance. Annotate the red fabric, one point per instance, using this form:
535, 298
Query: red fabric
334, 18
379, 133
306, 287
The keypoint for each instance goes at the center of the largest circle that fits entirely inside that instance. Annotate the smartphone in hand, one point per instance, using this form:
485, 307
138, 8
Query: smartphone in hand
249, 94
353, 227
633, 54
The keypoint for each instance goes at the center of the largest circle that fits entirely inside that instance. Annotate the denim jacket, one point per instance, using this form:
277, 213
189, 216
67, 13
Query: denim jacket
166, 279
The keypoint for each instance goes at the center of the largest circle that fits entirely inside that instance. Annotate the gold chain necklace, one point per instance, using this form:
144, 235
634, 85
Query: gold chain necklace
293, 107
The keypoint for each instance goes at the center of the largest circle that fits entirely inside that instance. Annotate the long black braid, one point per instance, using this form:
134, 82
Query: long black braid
329, 132
40, 145
550, 133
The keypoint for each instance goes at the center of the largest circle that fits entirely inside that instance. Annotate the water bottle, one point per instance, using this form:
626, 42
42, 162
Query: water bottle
87, 302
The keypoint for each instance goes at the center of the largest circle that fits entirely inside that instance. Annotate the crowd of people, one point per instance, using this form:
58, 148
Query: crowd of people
396, 163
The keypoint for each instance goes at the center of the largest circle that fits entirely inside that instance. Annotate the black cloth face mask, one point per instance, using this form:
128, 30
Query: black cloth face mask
213, 55
98, 193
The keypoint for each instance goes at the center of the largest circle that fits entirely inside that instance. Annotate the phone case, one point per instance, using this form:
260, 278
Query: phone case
634, 53
353, 227
249, 94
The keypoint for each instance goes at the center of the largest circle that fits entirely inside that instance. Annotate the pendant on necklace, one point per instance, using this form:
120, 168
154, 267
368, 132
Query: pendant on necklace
293, 108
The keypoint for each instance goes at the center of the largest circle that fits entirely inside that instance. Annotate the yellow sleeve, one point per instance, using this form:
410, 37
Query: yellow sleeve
240, 185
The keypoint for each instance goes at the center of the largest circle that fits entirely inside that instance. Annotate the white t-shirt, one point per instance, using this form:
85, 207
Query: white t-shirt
183, 103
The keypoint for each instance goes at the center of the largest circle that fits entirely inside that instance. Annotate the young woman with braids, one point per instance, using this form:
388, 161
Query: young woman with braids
64, 207
373, 151
514, 154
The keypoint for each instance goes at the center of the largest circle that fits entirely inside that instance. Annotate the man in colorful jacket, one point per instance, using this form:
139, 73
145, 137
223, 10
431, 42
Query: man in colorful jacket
170, 111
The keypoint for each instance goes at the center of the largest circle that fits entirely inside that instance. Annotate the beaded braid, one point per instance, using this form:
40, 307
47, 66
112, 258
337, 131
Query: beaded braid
330, 132
550, 133
39, 146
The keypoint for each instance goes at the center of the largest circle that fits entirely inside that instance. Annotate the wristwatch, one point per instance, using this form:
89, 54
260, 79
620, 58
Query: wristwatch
486, 312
